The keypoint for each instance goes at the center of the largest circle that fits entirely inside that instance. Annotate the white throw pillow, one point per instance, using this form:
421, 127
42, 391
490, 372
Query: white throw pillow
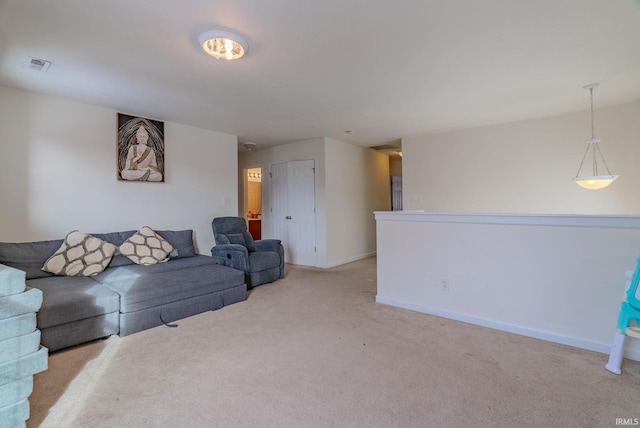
80, 255
146, 247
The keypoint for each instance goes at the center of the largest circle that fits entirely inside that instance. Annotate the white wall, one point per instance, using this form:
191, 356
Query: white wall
58, 173
558, 278
357, 183
524, 167
557, 283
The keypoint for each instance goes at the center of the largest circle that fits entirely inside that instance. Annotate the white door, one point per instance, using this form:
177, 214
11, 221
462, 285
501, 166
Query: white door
293, 210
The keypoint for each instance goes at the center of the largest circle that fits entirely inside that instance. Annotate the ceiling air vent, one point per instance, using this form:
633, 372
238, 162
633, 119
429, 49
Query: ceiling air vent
38, 64
384, 147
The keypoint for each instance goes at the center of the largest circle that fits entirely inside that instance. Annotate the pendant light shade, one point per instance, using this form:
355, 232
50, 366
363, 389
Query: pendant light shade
595, 181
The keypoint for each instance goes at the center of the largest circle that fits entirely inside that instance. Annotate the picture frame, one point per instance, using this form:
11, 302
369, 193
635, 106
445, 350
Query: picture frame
140, 149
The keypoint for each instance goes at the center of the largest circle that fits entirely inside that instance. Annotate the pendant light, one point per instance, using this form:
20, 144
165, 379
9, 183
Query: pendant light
594, 181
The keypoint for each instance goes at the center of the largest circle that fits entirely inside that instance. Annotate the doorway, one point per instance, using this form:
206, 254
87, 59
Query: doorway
253, 203
293, 210
396, 192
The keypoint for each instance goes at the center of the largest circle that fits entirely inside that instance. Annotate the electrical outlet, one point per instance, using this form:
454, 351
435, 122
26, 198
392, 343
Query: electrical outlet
444, 284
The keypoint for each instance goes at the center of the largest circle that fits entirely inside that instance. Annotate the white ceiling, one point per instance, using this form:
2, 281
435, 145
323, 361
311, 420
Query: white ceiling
382, 69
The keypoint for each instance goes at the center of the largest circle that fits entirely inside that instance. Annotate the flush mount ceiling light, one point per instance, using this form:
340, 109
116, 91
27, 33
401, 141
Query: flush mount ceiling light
594, 181
223, 44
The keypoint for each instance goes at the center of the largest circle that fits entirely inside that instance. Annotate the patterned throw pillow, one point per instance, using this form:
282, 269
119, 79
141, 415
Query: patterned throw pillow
80, 255
146, 247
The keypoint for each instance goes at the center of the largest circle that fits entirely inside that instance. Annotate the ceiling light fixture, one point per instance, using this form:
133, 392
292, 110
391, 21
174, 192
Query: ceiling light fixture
223, 44
594, 181
249, 145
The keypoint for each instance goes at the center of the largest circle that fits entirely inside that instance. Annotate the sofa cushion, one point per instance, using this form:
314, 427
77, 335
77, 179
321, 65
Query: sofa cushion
80, 255
28, 256
68, 299
142, 287
146, 247
131, 272
182, 242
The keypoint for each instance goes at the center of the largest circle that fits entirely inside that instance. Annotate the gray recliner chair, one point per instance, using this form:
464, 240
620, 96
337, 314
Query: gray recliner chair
262, 260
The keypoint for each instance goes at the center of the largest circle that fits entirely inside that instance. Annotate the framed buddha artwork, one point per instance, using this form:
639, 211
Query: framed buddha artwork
140, 149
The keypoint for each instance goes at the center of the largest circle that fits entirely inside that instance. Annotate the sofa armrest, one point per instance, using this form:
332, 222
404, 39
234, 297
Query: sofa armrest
235, 256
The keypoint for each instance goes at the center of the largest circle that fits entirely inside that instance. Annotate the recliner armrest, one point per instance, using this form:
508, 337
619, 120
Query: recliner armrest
268, 245
219, 260
235, 256
274, 245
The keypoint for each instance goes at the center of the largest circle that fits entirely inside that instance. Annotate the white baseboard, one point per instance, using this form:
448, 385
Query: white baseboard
604, 348
349, 260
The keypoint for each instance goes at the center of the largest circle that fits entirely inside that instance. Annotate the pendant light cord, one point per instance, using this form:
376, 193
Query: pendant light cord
589, 143
595, 181
593, 134
593, 146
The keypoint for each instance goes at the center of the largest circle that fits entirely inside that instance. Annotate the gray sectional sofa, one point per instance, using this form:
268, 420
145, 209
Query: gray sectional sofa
125, 298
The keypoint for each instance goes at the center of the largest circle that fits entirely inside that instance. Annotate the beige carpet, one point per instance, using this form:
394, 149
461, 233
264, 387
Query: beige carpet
315, 350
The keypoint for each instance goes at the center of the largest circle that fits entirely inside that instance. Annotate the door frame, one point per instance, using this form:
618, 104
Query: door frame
245, 192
